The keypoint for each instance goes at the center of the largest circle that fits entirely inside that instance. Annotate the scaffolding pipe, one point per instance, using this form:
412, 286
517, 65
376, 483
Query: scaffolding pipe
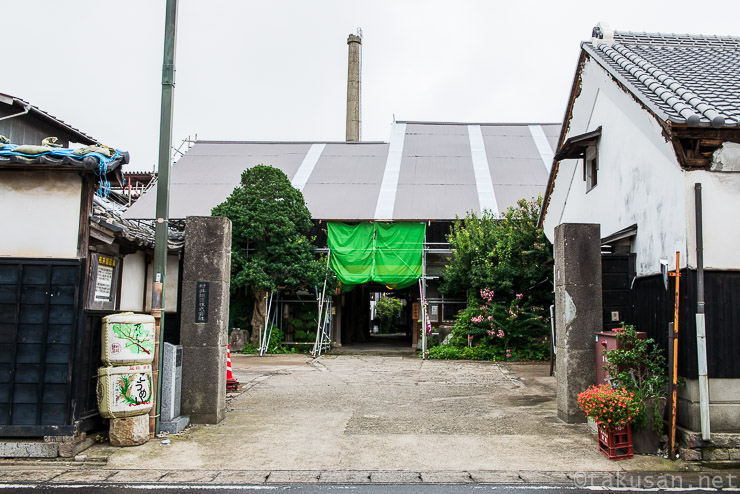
319, 328
701, 340
265, 340
424, 340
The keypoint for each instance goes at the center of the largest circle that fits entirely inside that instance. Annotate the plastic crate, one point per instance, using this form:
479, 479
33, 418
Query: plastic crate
616, 444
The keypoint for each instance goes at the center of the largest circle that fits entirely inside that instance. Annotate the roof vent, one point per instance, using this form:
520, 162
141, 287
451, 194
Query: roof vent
602, 34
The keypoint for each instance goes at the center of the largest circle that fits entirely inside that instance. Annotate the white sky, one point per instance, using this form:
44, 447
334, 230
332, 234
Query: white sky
277, 69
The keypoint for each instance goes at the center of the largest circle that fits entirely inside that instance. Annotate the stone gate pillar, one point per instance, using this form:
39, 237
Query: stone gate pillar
578, 312
205, 318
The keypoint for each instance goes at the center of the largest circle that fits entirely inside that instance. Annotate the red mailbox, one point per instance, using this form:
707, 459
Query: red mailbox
605, 341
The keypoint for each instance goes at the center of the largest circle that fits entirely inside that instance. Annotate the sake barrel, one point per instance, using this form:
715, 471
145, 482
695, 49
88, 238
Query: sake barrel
128, 338
124, 391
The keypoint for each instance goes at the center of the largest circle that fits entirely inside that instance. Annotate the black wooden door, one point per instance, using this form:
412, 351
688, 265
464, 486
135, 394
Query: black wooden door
39, 333
617, 274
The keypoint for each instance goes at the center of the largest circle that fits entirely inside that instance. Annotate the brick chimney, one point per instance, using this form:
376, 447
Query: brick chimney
353, 87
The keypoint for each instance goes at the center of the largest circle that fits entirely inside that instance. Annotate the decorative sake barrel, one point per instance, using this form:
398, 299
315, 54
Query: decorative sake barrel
128, 338
124, 391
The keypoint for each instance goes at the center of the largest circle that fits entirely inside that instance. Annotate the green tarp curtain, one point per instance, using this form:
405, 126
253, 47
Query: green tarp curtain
387, 253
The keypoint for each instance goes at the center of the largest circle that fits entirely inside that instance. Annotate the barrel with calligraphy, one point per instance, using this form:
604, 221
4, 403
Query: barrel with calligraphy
124, 391
128, 338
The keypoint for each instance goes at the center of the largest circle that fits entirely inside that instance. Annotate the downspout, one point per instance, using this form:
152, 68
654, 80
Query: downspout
701, 341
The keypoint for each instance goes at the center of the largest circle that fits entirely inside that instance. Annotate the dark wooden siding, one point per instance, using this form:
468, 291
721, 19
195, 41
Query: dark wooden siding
28, 129
617, 273
654, 310
40, 338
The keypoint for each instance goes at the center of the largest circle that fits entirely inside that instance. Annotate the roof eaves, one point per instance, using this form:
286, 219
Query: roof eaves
353, 143
574, 92
498, 124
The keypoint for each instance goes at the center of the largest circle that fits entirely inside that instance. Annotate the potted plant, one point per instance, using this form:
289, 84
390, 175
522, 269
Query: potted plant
640, 367
614, 410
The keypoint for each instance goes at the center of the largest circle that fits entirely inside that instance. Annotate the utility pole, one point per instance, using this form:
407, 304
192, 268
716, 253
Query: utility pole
163, 202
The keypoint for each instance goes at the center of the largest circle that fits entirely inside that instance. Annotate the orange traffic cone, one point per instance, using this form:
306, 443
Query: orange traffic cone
231, 383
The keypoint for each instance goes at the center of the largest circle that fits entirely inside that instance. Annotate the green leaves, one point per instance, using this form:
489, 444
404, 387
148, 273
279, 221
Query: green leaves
639, 366
269, 221
509, 255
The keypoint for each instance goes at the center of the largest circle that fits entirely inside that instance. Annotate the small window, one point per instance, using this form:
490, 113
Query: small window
590, 167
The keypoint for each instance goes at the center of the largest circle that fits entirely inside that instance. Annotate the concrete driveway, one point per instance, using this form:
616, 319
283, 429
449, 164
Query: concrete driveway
384, 414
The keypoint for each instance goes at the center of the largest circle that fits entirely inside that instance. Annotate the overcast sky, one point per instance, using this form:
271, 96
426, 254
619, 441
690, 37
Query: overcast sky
277, 69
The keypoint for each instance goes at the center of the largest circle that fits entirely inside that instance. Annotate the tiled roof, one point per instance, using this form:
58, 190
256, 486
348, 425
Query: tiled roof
141, 233
684, 79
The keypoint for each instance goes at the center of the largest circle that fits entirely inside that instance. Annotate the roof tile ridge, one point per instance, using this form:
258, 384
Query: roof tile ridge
690, 98
652, 84
640, 68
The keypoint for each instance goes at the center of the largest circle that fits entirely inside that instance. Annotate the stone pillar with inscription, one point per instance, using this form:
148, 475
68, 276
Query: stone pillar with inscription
205, 317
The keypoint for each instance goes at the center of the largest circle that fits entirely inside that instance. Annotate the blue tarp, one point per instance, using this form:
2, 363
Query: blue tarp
97, 162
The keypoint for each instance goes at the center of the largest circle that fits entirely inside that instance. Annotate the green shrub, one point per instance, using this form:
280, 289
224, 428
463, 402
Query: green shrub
296, 323
300, 336
445, 352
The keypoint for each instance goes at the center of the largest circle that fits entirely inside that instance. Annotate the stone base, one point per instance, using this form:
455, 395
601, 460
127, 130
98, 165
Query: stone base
28, 448
722, 450
724, 405
175, 425
71, 446
129, 431
48, 447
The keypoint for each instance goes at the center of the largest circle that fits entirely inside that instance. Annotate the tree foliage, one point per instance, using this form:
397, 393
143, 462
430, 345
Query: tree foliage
510, 255
269, 248
388, 307
269, 222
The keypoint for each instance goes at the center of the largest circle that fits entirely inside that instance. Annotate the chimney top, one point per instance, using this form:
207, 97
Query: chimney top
353, 38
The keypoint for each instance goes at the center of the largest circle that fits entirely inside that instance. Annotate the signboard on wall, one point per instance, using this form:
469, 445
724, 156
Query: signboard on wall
103, 282
434, 312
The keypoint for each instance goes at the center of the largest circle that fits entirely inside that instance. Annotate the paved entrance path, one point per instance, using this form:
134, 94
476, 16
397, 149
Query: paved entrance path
373, 413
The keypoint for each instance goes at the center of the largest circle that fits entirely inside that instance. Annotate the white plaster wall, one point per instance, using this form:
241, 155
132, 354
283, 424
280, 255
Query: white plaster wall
133, 282
720, 215
173, 279
639, 180
39, 214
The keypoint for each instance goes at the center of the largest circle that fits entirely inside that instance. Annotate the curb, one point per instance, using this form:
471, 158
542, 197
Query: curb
82, 475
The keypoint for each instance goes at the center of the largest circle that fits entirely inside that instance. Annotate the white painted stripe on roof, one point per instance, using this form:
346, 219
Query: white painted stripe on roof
307, 165
389, 185
483, 182
543, 145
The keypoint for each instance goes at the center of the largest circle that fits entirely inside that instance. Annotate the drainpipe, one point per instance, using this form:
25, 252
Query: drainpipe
701, 341
26, 109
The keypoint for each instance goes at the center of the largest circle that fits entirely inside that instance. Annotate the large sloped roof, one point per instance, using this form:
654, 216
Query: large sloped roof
427, 171
682, 78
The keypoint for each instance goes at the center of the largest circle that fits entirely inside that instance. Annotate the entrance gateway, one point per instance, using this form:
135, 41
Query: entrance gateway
373, 258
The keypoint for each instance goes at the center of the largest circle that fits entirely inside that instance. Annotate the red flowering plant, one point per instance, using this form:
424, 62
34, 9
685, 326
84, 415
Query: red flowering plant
610, 407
